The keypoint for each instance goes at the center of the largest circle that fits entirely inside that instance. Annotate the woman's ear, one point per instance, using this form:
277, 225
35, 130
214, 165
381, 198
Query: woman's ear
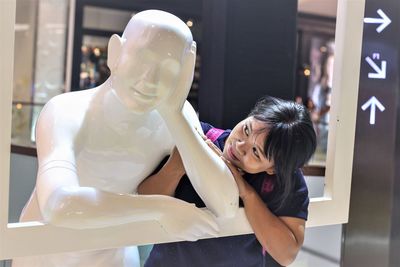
114, 51
270, 171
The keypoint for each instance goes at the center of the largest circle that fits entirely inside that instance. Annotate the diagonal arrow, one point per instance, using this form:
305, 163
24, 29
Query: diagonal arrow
373, 102
380, 73
384, 21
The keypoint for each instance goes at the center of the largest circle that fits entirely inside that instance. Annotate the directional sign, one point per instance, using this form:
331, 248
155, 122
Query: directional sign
373, 102
384, 21
380, 72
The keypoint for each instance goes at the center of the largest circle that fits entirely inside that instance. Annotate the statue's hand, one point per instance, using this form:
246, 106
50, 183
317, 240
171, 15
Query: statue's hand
176, 99
188, 222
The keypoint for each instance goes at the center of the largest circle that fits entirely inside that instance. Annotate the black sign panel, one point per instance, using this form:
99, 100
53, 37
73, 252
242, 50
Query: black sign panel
378, 89
369, 233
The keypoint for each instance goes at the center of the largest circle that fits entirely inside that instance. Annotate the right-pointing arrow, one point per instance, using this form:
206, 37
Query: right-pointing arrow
373, 102
384, 21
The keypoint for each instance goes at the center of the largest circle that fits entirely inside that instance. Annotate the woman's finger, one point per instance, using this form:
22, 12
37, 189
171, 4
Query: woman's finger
236, 174
233, 169
201, 134
214, 147
241, 183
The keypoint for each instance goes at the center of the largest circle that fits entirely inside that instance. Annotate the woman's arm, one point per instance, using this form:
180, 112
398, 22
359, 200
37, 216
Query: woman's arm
281, 237
165, 181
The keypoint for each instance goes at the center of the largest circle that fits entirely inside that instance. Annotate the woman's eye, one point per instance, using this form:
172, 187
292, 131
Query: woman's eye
255, 152
246, 130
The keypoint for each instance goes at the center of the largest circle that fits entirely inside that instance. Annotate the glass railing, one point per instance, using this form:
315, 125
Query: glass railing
24, 117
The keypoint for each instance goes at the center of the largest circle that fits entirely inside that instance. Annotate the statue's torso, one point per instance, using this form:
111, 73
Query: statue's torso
118, 159
116, 152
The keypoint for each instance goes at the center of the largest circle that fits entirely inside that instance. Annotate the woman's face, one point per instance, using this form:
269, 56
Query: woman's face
244, 147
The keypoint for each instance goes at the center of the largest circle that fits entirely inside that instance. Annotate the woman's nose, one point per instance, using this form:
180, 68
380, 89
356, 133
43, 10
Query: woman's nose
241, 147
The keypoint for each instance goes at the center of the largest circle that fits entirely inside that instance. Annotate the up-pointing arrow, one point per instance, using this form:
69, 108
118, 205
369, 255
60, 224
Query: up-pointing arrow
373, 102
384, 21
380, 72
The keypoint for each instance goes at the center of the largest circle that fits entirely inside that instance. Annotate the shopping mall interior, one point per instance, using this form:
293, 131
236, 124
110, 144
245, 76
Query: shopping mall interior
290, 49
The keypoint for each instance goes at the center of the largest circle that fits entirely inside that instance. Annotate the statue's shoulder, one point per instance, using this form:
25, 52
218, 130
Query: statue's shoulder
65, 112
69, 103
73, 98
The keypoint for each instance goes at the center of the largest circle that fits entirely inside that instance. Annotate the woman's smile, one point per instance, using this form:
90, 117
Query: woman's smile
231, 153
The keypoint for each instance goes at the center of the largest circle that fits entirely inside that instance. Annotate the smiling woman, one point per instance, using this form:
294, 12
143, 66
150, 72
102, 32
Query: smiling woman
245, 146
264, 152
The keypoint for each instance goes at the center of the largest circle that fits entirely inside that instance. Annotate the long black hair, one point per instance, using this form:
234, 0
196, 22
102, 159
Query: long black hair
291, 139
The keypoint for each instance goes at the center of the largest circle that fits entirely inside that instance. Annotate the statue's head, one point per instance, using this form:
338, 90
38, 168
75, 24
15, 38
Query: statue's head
146, 61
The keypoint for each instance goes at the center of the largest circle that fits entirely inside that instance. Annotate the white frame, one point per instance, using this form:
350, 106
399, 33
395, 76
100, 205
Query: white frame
23, 239
333, 207
70, 45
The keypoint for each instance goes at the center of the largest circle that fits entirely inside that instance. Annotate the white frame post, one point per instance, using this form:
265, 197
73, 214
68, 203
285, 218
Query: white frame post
7, 24
333, 207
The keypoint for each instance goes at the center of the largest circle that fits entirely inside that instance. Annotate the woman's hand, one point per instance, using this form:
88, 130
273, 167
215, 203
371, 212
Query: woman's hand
244, 188
210, 143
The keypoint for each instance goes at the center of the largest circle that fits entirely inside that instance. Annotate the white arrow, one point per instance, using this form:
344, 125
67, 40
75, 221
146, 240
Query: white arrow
380, 72
384, 21
373, 102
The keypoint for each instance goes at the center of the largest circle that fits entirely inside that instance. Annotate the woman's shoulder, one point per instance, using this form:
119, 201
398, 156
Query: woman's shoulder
296, 204
206, 126
216, 135
300, 182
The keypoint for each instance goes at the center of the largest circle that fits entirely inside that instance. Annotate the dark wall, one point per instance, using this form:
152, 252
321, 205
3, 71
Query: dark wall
248, 51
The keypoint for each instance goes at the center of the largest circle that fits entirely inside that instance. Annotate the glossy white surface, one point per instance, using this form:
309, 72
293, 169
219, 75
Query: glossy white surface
96, 146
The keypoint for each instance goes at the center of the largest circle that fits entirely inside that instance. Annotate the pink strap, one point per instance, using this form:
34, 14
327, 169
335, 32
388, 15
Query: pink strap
214, 133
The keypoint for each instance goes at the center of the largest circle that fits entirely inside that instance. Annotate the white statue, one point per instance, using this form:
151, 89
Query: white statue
96, 146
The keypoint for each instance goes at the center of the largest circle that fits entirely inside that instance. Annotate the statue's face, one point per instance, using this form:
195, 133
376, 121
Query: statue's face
148, 71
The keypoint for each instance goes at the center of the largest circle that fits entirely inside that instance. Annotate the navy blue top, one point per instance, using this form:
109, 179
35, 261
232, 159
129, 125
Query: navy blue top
232, 251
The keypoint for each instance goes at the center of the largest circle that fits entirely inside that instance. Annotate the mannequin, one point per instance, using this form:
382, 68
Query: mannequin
96, 146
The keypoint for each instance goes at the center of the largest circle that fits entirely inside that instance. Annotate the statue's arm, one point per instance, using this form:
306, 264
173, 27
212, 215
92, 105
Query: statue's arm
66, 204
208, 174
61, 199
63, 202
